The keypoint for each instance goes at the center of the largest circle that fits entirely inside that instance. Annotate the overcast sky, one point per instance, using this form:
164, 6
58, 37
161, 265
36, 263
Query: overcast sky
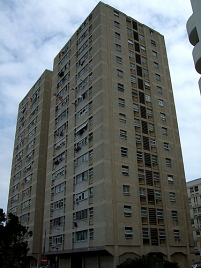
32, 33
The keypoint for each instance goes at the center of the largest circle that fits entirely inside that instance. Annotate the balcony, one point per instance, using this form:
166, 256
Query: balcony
192, 31
197, 57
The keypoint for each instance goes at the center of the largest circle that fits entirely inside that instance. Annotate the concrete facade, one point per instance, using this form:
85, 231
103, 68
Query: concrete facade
194, 33
115, 185
194, 198
28, 173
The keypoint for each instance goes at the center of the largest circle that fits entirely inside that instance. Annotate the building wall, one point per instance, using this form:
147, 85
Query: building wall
28, 170
115, 184
194, 33
194, 198
111, 158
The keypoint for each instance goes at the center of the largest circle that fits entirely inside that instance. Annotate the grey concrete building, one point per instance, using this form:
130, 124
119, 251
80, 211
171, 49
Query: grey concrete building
115, 185
194, 33
28, 172
194, 198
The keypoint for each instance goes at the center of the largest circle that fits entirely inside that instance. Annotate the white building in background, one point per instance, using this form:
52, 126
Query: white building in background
194, 195
194, 33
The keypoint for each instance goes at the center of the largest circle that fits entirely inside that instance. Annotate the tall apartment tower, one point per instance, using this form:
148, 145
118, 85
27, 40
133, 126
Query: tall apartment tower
194, 33
28, 173
194, 198
115, 183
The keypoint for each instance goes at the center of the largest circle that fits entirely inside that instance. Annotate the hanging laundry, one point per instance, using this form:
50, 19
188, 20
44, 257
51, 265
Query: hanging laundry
74, 102
29, 98
60, 98
55, 94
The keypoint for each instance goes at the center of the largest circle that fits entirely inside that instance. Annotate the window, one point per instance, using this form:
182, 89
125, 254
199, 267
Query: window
153, 43
154, 53
162, 116
196, 189
164, 130
135, 107
174, 215
125, 170
132, 66
172, 197
141, 37
147, 85
138, 138
91, 234
124, 152
145, 71
176, 235
140, 27
156, 65
145, 233
127, 211
152, 143
134, 93
123, 134
160, 102
81, 177
91, 192
116, 13
117, 35
142, 48
129, 31
139, 156
133, 79
121, 102
142, 192
126, 189
151, 32
136, 122
82, 159
116, 24
131, 54
158, 195
128, 232
166, 146
122, 118
130, 42
118, 60
161, 234
160, 214
144, 60
119, 73
143, 212
120, 87
118, 47
81, 235
158, 77
151, 127
156, 177
148, 98
149, 112
159, 89
170, 179
168, 162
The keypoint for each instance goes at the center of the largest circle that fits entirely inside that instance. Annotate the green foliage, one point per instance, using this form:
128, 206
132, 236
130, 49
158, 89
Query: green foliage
13, 241
147, 262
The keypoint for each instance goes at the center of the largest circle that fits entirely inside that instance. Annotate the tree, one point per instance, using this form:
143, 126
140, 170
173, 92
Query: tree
13, 241
147, 262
